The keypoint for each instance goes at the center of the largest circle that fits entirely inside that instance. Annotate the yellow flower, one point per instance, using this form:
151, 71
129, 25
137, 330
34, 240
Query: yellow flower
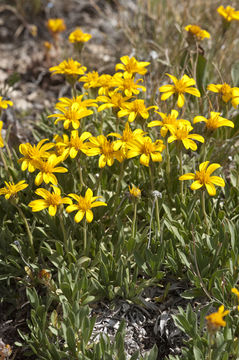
235, 97
5, 103
147, 149
11, 189
126, 83
196, 31
1, 139
67, 102
113, 100
47, 168
224, 90
78, 36
50, 200
128, 135
71, 115
56, 25
84, 205
134, 109
236, 292
215, 121
105, 83
33, 153
135, 192
184, 85
91, 79
228, 13
109, 150
73, 145
180, 132
215, 320
5, 350
68, 67
203, 178
131, 65
167, 119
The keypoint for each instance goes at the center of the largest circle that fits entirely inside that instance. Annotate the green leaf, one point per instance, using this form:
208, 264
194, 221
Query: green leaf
198, 355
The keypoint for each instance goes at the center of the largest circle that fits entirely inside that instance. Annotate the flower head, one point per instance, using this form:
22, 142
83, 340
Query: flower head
10, 189
203, 178
224, 90
135, 192
126, 83
71, 115
5, 103
196, 31
132, 66
49, 200
114, 100
5, 350
180, 132
68, 67
135, 108
228, 13
33, 153
146, 148
127, 136
236, 292
84, 205
91, 79
181, 86
215, 320
78, 36
65, 102
215, 121
109, 151
48, 168
167, 119
72, 146
56, 25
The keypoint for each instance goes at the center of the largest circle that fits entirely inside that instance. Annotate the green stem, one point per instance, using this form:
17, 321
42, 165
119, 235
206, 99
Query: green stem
30, 237
181, 171
210, 340
120, 179
85, 237
5, 165
64, 235
99, 181
203, 207
134, 219
155, 196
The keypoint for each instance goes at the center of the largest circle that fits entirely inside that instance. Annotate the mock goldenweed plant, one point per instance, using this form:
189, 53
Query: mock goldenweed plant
96, 209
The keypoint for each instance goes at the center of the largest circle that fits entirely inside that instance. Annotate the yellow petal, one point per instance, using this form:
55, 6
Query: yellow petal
211, 189
217, 181
203, 166
211, 168
89, 216
181, 100
79, 216
196, 185
188, 176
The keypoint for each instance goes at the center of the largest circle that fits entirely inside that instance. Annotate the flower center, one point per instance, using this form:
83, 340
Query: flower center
107, 148
202, 176
84, 204
180, 86
148, 148
212, 123
54, 199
